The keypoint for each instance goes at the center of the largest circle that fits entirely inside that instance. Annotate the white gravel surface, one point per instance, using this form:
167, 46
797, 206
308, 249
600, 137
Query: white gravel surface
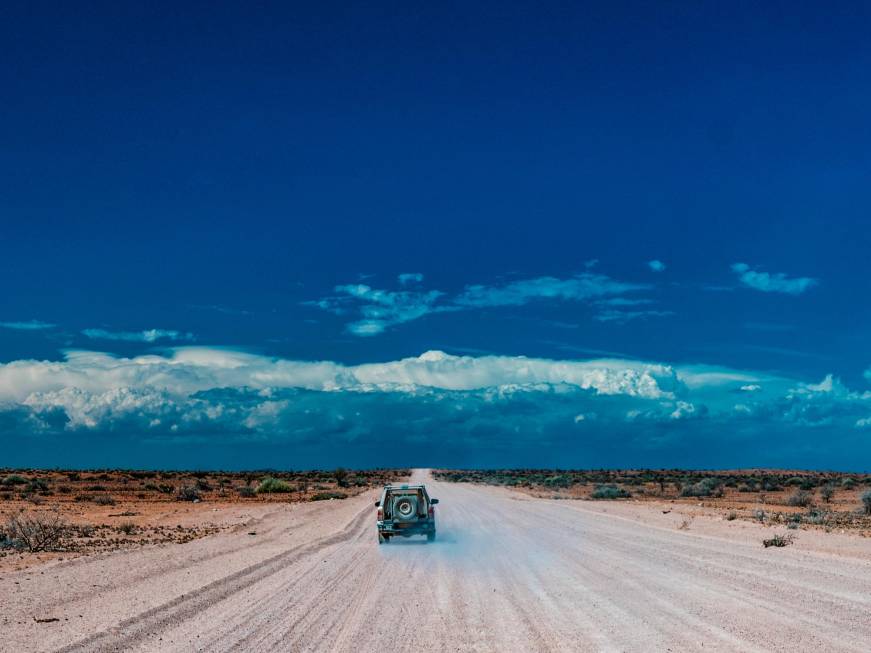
507, 573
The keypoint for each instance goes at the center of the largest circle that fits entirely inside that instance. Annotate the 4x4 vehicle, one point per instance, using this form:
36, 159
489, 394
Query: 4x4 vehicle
405, 510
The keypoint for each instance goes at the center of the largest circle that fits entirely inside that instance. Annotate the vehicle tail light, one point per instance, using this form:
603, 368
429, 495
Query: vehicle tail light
431, 511
380, 514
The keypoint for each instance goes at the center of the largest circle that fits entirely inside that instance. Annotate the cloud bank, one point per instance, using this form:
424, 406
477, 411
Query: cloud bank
435, 400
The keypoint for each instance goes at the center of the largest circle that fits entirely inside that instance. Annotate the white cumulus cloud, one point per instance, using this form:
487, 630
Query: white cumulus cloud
768, 282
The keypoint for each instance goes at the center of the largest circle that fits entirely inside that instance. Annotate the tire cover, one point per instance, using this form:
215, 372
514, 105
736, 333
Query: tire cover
405, 508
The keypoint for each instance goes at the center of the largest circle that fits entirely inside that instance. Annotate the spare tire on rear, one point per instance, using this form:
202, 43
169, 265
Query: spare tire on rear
405, 508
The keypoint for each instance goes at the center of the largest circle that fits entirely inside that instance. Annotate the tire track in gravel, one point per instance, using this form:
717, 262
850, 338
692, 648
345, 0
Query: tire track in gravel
131, 631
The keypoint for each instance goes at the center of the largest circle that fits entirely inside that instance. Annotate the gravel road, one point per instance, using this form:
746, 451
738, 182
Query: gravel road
507, 573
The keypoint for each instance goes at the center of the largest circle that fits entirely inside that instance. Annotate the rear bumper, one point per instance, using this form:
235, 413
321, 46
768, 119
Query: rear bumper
419, 528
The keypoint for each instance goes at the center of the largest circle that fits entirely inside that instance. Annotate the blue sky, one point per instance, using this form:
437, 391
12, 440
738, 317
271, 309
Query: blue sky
633, 235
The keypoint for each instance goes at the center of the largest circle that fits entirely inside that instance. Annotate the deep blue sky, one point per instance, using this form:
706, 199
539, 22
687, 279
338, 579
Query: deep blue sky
216, 171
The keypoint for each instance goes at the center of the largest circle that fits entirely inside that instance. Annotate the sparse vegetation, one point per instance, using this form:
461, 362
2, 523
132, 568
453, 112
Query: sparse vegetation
866, 502
742, 492
14, 479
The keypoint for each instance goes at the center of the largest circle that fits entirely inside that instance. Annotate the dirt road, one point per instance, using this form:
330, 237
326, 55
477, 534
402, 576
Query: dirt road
508, 573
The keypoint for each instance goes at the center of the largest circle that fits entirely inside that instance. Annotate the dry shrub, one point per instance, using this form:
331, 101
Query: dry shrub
779, 540
36, 531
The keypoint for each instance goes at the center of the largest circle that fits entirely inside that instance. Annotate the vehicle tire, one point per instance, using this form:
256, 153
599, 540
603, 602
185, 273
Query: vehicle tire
430, 537
405, 508
381, 538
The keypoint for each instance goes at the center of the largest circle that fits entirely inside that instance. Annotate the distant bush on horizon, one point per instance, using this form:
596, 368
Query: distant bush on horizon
609, 492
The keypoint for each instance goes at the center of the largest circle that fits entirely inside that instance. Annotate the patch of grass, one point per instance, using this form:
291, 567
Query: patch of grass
779, 540
104, 500
609, 492
270, 485
128, 528
326, 496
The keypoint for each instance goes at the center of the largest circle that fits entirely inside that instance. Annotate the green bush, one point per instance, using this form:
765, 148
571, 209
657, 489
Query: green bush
562, 481
866, 502
247, 492
270, 485
188, 493
609, 492
14, 479
341, 476
708, 487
